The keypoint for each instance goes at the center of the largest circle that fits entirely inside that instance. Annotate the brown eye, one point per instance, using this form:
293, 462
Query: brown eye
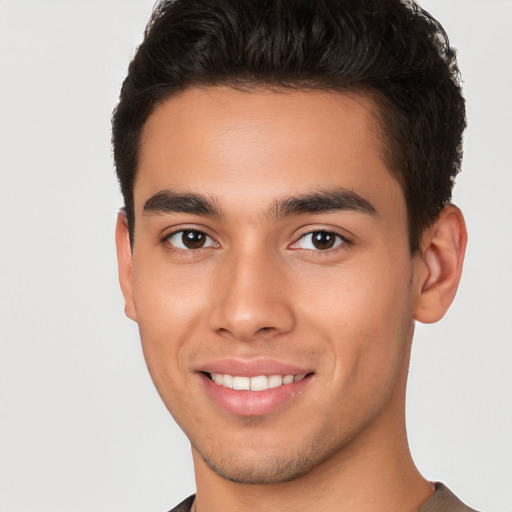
323, 240
190, 239
319, 241
193, 239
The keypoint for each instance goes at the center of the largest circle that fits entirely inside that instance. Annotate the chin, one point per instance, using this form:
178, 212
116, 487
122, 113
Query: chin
264, 472
254, 467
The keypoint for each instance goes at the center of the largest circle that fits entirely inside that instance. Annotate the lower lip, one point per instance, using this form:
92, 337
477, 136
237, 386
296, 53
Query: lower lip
253, 403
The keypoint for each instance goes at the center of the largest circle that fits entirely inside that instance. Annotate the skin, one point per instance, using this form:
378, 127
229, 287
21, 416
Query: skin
259, 288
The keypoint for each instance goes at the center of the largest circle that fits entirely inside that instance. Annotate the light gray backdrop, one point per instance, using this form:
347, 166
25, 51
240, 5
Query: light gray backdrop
81, 428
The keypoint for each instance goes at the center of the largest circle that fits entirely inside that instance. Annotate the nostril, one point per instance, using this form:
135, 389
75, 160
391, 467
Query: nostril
251, 321
265, 331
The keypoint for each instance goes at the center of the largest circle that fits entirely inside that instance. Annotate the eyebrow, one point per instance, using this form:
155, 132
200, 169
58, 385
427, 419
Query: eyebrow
167, 201
322, 201
319, 201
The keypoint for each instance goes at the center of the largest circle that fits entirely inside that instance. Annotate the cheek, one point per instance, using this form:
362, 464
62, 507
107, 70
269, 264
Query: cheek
167, 296
365, 313
170, 306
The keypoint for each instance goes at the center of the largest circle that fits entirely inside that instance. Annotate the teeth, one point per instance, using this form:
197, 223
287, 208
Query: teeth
258, 383
241, 383
274, 381
227, 381
287, 379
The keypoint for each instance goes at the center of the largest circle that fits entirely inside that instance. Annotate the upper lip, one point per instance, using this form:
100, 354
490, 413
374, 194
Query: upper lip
253, 367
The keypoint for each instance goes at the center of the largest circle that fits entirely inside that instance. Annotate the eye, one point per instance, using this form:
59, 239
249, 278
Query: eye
190, 239
319, 241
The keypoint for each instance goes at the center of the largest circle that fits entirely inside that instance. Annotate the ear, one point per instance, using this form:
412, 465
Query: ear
439, 265
124, 262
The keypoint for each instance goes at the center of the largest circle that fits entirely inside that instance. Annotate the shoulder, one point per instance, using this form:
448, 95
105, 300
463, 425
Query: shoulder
443, 500
185, 505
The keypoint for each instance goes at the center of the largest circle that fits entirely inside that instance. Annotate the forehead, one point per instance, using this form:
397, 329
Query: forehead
255, 145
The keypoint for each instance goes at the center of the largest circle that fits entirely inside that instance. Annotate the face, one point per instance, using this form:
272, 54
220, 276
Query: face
271, 278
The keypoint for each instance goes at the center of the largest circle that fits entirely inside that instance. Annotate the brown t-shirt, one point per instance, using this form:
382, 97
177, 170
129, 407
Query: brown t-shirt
443, 500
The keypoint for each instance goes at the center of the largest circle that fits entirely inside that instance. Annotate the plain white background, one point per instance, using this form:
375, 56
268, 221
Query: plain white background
81, 427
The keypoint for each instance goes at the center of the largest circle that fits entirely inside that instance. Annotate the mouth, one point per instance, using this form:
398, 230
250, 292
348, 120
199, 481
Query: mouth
254, 387
256, 383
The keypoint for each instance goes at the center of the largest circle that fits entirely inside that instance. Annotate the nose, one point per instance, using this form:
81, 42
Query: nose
251, 299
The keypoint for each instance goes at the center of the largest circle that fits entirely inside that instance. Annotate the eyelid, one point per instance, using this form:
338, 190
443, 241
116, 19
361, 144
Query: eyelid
344, 240
165, 239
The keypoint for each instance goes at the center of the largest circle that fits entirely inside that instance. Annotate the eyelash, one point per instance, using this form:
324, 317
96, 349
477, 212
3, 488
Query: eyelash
340, 241
187, 250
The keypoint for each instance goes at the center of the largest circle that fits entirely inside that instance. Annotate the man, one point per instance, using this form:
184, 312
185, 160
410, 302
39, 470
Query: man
287, 168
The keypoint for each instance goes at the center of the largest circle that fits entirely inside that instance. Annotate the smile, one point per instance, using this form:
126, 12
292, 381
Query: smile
257, 383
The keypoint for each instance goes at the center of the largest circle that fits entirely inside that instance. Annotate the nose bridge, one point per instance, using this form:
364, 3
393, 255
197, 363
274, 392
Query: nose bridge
251, 300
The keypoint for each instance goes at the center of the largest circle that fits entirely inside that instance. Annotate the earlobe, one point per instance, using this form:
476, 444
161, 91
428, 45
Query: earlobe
440, 265
124, 262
